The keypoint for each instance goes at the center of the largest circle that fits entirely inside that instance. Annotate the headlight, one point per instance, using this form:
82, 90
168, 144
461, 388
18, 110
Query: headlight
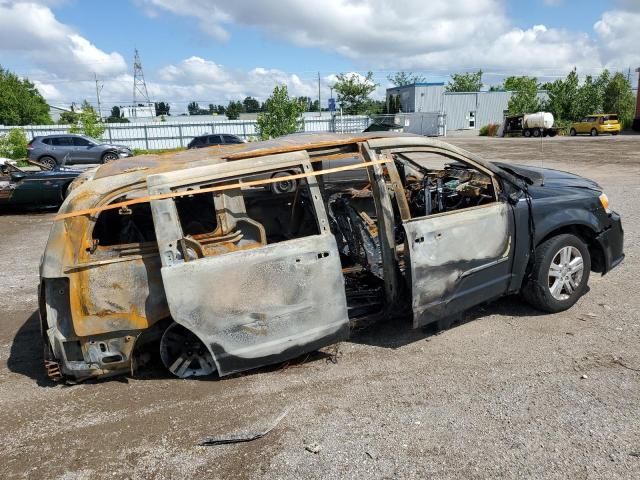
604, 201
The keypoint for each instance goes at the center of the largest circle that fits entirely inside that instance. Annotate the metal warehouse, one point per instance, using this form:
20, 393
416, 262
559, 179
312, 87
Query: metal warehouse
463, 110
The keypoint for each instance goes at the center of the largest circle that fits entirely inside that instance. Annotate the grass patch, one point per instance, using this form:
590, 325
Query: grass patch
142, 151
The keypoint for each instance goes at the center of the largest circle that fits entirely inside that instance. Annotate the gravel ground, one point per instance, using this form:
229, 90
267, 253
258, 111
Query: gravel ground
509, 393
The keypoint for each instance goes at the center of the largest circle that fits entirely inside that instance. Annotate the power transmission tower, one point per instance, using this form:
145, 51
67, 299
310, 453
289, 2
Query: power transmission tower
139, 85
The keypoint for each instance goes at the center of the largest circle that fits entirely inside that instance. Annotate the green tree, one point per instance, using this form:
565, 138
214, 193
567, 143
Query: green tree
88, 122
234, 109
590, 95
376, 107
525, 96
116, 116
400, 79
353, 92
251, 105
68, 117
465, 82
194, 109
21, 102
282, 115
162, 108
563, 97
618, 98
14, 144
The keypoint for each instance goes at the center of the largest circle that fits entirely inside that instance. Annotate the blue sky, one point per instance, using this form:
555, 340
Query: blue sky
217, 50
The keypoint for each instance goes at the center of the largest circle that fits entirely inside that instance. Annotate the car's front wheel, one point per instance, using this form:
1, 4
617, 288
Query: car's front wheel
573, 132
559, 274
594, 132
109, 157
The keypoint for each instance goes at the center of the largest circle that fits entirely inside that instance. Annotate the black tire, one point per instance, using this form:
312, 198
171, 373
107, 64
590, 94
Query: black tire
286, 186
109, 157
614, 133
536, 132
537, 291
573, 132
594, 132
527, 133
48, 161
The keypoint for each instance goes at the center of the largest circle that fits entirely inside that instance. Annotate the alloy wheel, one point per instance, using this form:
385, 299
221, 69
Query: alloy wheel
108, 157
565, 272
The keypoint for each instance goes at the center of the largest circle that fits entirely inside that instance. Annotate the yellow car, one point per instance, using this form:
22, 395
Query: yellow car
597, 124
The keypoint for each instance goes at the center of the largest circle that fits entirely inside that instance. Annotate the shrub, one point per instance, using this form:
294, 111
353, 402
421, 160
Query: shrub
564, 125
14, 144
489, 130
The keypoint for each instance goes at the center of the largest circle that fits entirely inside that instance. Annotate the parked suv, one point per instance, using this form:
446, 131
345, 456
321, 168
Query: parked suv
218, 139
67, 149
597, 124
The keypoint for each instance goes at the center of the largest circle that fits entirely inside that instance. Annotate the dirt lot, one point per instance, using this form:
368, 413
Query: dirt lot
509, 393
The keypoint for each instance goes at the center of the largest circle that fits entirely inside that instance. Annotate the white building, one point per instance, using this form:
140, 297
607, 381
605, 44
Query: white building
139, 112
463, 110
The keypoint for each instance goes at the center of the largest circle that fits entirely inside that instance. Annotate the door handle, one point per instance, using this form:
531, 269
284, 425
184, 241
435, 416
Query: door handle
419, 239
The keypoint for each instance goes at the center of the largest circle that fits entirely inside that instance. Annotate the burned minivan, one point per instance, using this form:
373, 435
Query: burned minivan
229, 258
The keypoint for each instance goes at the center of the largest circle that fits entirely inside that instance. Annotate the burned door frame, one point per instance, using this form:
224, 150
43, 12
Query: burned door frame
256, 306
441, 290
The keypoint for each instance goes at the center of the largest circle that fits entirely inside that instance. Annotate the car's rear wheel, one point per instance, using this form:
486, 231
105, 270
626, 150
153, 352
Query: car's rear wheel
559, 274
614, 133
573, 132
183, 354
594, 132
48, 162
109, 157
536, 132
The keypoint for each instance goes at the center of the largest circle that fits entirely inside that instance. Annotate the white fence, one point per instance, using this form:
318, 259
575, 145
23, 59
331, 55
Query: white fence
157, 136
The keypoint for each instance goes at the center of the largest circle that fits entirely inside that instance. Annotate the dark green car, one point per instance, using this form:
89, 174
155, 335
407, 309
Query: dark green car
34, 189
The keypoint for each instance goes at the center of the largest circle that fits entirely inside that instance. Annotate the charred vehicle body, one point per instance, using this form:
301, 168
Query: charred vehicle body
198, 255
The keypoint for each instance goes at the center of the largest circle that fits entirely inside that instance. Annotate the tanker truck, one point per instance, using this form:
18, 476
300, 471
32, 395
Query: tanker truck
530, 125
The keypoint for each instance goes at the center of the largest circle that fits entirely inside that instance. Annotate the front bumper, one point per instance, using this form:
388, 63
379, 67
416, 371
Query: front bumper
611, 241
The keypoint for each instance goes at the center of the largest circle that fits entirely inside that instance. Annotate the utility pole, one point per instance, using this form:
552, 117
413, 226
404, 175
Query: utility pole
98, 90
319, 101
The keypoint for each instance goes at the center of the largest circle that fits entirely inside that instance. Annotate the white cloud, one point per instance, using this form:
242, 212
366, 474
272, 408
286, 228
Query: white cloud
438, 37
619, 37
33, 30
441, 36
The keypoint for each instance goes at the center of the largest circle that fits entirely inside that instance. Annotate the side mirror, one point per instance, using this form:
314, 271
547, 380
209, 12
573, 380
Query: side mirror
513, 198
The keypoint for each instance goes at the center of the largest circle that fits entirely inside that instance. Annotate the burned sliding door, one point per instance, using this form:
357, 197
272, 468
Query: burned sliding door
268, 286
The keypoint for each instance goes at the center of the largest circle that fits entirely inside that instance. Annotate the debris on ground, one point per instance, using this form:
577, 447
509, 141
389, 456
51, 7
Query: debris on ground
243, 437
313, 448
